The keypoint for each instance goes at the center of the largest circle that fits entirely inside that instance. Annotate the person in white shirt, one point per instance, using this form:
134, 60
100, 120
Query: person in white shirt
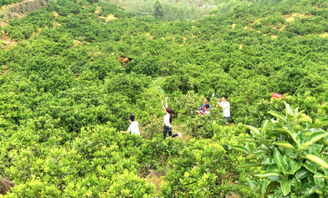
168, 121
134, 126
225, 105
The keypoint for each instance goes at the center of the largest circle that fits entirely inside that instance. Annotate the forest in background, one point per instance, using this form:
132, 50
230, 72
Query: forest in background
169, 9
65, 97
184, 9
8, 2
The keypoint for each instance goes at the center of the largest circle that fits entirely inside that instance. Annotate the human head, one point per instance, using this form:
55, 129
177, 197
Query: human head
132, 118
168, 110
224, 98
207, 106
207, 100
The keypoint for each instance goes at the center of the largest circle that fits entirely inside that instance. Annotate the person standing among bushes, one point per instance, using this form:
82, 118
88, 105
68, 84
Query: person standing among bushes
168, 117
225, 105
134, 126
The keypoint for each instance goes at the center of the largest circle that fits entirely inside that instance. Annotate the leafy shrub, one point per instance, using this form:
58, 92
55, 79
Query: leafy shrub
129, 185
93, 1
19, 33
290, 153
158, 151
152, 126
65, 7
200, 171
35, 188
7, 2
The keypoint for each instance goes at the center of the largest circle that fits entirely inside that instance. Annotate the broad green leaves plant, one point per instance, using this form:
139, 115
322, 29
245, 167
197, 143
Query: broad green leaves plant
290, 154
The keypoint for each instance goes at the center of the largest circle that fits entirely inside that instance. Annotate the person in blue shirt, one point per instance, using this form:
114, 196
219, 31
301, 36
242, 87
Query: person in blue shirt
205, 106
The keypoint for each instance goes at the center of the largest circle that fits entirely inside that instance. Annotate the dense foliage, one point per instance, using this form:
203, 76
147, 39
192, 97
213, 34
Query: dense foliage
170, 9
291, 152
7, 2
64, 97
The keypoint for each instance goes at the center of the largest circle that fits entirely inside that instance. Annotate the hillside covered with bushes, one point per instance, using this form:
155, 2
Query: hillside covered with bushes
65, 97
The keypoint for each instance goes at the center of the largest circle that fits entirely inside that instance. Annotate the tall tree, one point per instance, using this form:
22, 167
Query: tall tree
158, 10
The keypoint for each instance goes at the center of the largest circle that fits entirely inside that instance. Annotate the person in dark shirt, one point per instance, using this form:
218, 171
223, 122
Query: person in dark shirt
206, 105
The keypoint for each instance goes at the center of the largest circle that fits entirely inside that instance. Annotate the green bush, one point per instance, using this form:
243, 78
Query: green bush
202, 170
7, 2
129, 185
290, 154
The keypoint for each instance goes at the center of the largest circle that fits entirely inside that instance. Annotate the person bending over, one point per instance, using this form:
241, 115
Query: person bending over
205, 110
134, 126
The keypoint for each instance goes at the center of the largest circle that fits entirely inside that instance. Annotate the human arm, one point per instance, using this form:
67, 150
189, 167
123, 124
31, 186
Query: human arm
202, 107
130, 128
166, 104
218, 103
224, 105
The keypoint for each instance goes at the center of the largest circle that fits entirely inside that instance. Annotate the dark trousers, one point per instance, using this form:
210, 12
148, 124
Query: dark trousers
168, 130
227, 118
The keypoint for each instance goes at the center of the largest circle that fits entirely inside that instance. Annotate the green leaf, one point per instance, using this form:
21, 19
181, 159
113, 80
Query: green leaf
308, 189
284, 144
320, 123
272, 168
301, 174
319, 192
325, 141
285, 185
278, 115
264, 186
271, 188
268, 174
264, 125
268, 161
251, 183
317, 160
240, 148
315, 148
246, 139
289, 110
248, 165
293, 135
319, 179
311, 166
254, 130
314, 138
296, 184
294, 166
251, 156
278, 158
250, 147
